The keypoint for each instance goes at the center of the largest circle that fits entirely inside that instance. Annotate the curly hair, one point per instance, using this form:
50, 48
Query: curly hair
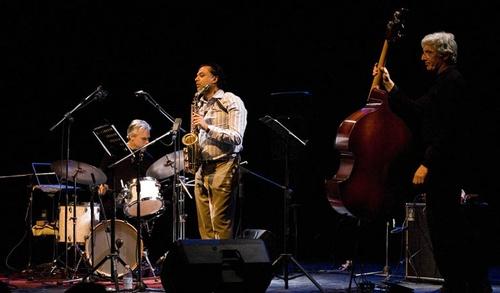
444, 43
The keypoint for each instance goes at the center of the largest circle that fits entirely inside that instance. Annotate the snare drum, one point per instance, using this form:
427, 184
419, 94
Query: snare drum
125, 234
151, 201
82, 222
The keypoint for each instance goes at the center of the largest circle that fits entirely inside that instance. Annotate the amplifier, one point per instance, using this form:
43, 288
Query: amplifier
419, 257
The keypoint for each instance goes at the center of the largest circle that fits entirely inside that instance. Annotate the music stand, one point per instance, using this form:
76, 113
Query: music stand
285, 258
111, 141
110, 138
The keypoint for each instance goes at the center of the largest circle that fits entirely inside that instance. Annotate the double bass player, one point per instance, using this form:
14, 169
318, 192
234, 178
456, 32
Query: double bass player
438, 116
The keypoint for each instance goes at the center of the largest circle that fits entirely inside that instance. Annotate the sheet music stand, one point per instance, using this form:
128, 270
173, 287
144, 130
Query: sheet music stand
111, 139
285, 258
114, 144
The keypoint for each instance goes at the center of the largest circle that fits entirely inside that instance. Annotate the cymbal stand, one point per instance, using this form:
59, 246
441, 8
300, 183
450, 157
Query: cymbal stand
74, 219
93, 190
68, 119
286, 258
29, 222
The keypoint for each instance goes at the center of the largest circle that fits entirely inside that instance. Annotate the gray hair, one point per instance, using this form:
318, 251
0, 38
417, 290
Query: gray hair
137, 124
444, 43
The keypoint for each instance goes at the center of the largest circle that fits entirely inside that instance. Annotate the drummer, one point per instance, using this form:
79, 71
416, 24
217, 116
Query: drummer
123, 173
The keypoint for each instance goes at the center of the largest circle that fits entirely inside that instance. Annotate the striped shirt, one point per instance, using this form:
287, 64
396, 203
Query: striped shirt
225, 130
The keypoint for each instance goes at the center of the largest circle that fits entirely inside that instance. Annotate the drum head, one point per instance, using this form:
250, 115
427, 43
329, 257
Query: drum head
82, 221
151, 200
126, 235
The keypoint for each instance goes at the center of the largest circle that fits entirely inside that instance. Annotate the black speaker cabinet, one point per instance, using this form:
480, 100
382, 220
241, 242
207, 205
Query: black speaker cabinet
419, 258
236, 265
270, 240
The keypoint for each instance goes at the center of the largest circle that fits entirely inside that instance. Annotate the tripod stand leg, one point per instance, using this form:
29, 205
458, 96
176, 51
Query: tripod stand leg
82, 256
114, 275
286, 259
284, 265
149, 263
307, 274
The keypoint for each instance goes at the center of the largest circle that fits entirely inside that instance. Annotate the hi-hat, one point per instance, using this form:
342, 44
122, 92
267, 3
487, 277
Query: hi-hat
164, 166
79, 172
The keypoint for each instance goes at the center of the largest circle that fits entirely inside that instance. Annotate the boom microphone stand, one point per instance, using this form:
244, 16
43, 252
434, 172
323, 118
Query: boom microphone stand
179, 187
286, 258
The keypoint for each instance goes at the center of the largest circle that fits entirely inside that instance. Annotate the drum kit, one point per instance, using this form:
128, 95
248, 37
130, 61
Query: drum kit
140, 198
80, 225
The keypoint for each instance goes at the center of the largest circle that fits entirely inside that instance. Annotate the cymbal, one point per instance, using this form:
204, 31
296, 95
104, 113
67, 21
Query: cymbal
79, 172
164, 166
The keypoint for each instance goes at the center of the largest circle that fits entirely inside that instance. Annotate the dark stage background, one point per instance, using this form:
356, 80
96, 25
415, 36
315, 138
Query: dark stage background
56, 53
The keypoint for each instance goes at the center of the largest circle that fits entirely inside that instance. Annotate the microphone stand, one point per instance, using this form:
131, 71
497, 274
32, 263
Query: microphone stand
138, 162
133, 153
97, 93
150, 100
178, 197
178, 216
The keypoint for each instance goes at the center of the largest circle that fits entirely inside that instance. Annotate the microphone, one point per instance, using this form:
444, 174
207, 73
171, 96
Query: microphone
177, 124
140, 93
100, 93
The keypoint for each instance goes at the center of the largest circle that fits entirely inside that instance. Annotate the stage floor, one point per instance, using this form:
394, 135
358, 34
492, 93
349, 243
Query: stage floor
325, 275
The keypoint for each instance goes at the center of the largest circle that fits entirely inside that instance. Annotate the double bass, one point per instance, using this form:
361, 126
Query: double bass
369, 142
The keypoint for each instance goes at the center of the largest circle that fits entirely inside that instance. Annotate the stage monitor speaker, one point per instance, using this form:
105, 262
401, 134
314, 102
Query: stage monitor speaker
419, 257
235, 265
267, 236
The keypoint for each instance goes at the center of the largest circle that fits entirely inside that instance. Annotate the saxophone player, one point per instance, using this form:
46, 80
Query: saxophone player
221, 120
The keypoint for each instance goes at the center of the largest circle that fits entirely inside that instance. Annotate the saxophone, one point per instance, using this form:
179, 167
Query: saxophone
192, 149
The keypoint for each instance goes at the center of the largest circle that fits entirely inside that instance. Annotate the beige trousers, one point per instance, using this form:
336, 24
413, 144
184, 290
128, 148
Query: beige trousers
215, 192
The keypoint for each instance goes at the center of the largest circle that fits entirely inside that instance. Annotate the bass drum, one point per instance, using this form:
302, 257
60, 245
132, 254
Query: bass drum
125, 234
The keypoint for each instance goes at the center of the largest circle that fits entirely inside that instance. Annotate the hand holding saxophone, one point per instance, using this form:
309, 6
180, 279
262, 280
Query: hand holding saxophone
198, 121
